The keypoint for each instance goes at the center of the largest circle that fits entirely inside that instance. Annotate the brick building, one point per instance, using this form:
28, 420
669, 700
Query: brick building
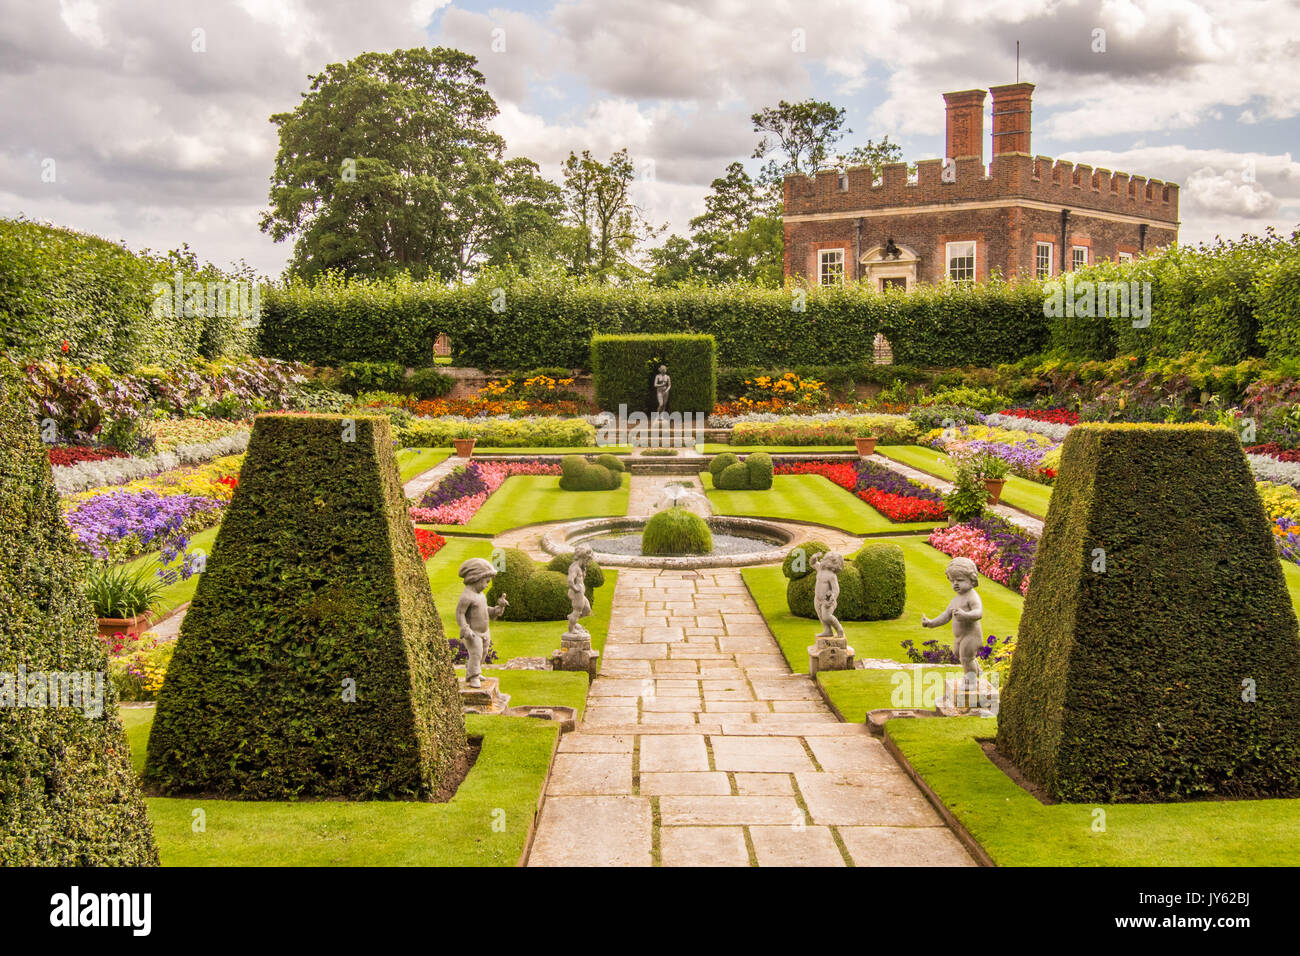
962, 220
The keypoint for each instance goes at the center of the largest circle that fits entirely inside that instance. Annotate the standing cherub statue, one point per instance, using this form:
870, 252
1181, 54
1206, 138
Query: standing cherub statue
582, 557
826, 596
965, 612
662, 384
474, 616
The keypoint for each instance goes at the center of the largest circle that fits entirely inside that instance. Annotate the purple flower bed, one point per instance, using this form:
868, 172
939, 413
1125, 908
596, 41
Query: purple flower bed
155, 521
1015, 547
461, 483
873, 475
1024, 458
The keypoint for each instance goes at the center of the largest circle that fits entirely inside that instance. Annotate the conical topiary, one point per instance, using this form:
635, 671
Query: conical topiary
1158, 656
312, 660
68, 793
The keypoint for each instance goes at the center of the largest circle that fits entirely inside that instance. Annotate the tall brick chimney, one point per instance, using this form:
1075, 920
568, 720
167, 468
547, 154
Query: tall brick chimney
1011, 117
965, 124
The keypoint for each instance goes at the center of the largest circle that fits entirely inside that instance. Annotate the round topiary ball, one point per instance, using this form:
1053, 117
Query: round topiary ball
884, 580
759, 466
719, 462
512, 583
676, 531
547, 595
612, 462
594, 578
733, 478
800, 591
799, 561
613, 479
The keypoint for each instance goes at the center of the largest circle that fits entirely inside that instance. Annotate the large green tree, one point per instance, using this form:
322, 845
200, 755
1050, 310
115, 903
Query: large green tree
388, 165
606, 225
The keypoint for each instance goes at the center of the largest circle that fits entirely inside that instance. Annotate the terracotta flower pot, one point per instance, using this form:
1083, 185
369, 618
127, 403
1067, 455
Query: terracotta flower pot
108, 626
464, 446
866, 446
994, 487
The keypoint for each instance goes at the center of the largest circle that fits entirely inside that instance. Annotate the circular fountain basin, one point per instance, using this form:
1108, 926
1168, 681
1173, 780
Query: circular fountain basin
737, 542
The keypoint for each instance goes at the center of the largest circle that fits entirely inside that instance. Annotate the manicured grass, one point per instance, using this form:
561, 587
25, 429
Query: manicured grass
855, 693
541, 688
543, 451
415, 461
532, 499
174, 595
1016, 830
928, 592
1029, 496
1292, 572
710, 448
808, 498
511, 638
484, 824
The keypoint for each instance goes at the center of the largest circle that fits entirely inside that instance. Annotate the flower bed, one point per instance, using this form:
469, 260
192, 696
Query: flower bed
896, 497
61, 456
458, 497
1056, 431
169, 434
1026, 452
137, 664
1274, 450
117, 471
823, 430
429, 542
902, 507
499, 432
841, 473
1057, 416
1001, 551
119, 525
216, 479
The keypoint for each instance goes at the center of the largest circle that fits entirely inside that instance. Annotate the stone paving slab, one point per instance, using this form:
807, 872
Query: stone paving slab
695, 712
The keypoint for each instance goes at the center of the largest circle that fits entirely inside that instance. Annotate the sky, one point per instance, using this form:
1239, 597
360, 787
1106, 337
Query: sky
147, 121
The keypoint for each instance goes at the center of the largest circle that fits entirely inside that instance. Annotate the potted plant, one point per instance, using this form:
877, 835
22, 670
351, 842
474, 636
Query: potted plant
993, 470
464, 444
866, 445
123, 599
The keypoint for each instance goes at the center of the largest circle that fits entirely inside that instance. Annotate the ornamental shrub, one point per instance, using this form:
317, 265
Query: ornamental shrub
312, 660
759, 468
546, 593
800, 592
533, 600
623, 368
676, 531
514, 568
426, 383
68, 793
499, 432
720, 463
798, 561
1171, 670
612, 462
733, 478
358, 377
594, 578
578, 474
884, 580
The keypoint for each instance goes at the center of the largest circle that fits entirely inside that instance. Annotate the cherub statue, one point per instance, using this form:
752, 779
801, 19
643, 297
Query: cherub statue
582, 557
474, 616
965, 612
826, 597
662, 384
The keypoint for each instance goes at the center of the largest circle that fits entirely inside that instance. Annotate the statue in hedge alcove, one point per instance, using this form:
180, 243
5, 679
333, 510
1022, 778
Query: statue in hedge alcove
662, 385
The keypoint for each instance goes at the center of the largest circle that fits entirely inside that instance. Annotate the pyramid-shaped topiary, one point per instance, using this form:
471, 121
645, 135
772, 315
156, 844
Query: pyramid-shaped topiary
312, 660
68, 793
1158, 656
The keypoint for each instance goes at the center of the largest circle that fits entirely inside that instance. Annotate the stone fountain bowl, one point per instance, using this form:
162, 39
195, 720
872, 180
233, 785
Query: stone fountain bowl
770, 541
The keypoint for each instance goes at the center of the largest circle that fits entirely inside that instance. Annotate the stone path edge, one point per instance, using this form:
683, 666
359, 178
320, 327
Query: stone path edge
541, 798
956, 826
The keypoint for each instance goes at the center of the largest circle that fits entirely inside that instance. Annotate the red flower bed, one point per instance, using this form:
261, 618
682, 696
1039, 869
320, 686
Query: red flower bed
1057, 416
901, 507
429, 542
230, 481
73, 454
1274, 450
844, 475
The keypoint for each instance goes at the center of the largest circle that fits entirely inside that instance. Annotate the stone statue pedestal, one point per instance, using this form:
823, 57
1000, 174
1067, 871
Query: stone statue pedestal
486, 699
962, 698
830, 654
575, 654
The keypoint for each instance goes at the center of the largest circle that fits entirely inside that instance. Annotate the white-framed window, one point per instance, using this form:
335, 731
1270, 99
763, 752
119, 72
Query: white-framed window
1124, 258
1043, 256
961, 261
1078, 257
830, 267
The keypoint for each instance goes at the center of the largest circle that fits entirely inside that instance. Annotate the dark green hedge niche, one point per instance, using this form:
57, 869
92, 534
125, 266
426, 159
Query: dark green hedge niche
623, 369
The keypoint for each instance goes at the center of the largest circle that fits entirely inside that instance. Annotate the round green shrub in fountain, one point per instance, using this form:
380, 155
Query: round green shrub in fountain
676, 531
546, 594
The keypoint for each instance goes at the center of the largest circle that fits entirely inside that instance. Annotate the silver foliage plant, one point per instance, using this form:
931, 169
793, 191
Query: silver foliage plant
70, 479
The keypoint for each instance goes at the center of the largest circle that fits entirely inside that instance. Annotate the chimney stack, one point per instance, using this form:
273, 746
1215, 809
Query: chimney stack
1011, 118
965, 124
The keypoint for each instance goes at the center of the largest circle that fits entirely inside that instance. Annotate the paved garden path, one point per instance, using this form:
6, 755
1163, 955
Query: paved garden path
700, 747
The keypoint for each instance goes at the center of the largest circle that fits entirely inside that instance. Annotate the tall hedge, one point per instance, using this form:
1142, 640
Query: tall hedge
68, 792
623, 369
1171, 670
312, 660
58, 286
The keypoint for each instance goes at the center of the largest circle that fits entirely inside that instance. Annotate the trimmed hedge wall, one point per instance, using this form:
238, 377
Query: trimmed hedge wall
60, 286
623, 368
68, 792
314, 586
1128, 683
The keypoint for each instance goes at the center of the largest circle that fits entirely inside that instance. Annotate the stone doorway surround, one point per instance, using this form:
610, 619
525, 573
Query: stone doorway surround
875, 265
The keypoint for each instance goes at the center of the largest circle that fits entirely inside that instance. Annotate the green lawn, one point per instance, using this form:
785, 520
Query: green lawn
541, 688
1016, 830
541, 451
415, 461
1019, 492
1292, 572
808, 498
532, 499
512, 638
858, 692
710, 448
928, 592
485, 824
